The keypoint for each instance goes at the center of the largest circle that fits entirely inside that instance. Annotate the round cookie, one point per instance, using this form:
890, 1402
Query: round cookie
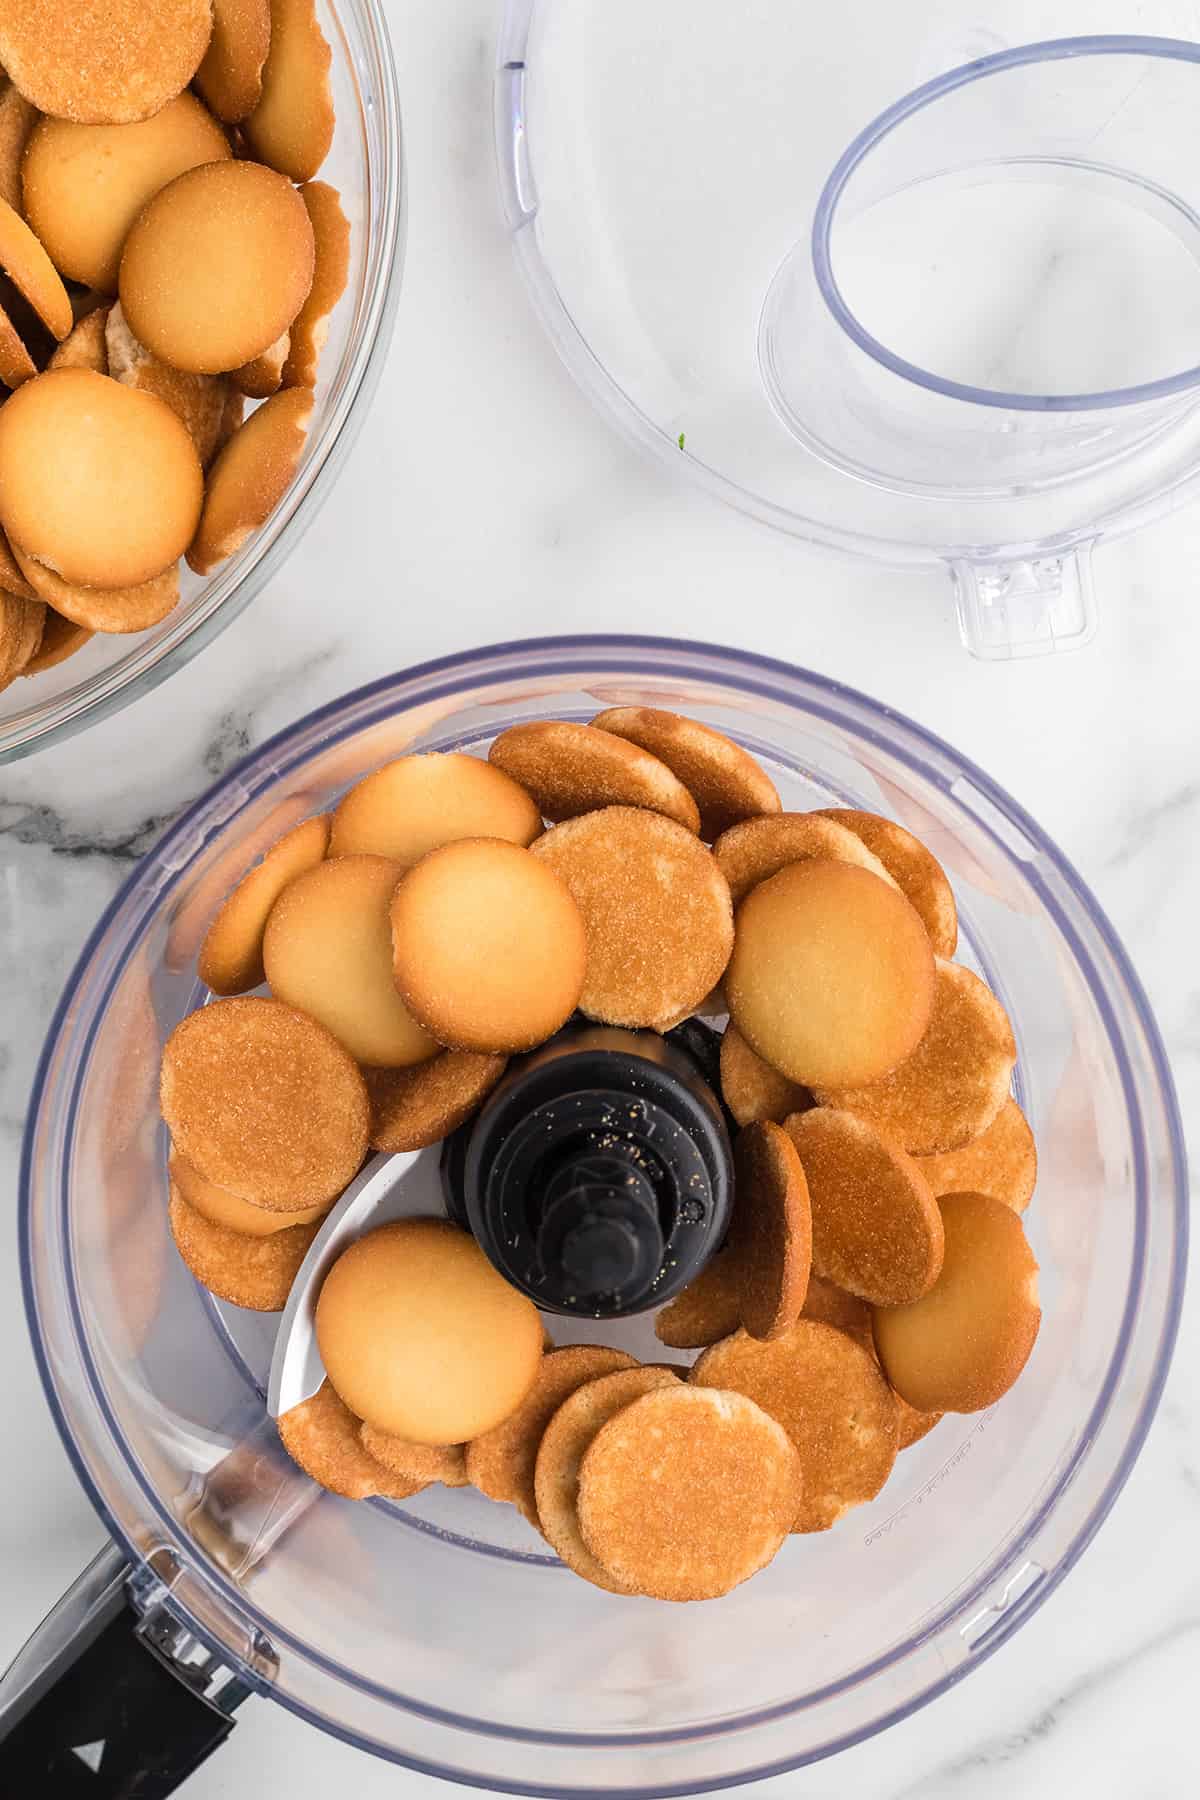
656, 912
913, 1425
758, 848
1001, 1161
264, 1101
198, 401
291, 128
254, 1272
560, 1454
688, 1492
61, 638
99, 483
230, 76
708, 1309
876, 1228
951, 1087
84, 185
25, 262
220, 1207
85, 345
260, 378
216, 266
425, 1463
723, 779
573, 769
771, 1236
327, 950
831, 977
113, 609
830, 1397
21, 625
411, 1108
962, 1346
17, 120
915, 870
103, 64
419, 803
231, 959
250, 477
321, 1436
310, 328
829, 1304
488, 946
502, 1461
752, 1089
422, 1338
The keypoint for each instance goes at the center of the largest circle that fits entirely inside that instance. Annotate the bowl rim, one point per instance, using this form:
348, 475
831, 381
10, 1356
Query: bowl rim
998, 815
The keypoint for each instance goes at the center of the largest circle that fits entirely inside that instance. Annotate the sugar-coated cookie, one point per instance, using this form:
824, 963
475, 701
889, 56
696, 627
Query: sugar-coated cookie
230, 960
831, 971
250, 477
422, 1338
914, 1425
17, 120
310, 328
752, 1089
414, 1107
425, 1463
656, 911
962, 1346
1001, 1161
488, 946
418, 803
85, 345
915, 870
291, 127
709, 1308
221, 1207
688, 1492
572, 769
198, 401
327, 949
950, 1089
264, 1101
254, 1272
103, 64
723, 779
771, 1235
829, 1304
323, 1437
758, 848
111, 609
832, 1400
230, 76
101, 484
26, 264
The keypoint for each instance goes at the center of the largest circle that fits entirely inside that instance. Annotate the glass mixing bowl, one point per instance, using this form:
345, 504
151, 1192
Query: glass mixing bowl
440, 1633
366, 165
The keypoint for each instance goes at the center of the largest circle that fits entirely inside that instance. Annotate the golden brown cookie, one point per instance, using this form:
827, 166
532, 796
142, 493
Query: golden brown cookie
962, 1346
913, 1425
488, 947
876, 1228
16, 364
422, 1337
61, 638
84, 185
230, 76
111, 609
419, 803
233, 415
103, 64
32, 273
832, 1305
1001, 1161
832, 1400
254, 1272
771, 1234
831, 971
216, 266
752, 1089
198, 401
264, 1101
85, 345
574, 769
708, 1309
561, 1452
291, 128
260, 378
688, 1492
321, 1436
100, 484
231, 960
21, 625
425, 1463
950, 1089
11, 579
758, 848
411, 1108
310, 328
327, 949
915, 870
220, 1207
655, 908
250, 477
723, 779
17, 120
501, 1463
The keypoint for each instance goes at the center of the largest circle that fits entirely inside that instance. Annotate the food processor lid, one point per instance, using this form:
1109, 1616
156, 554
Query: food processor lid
668, 178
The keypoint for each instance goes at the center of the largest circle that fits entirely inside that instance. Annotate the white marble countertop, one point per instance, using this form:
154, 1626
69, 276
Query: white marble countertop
485, 500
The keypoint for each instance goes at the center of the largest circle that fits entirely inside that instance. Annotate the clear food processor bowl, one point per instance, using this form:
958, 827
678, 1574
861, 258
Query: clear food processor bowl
441, 1633
366, 166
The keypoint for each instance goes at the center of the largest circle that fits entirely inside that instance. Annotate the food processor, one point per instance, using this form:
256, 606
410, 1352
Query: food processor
919, 283
441, 1633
